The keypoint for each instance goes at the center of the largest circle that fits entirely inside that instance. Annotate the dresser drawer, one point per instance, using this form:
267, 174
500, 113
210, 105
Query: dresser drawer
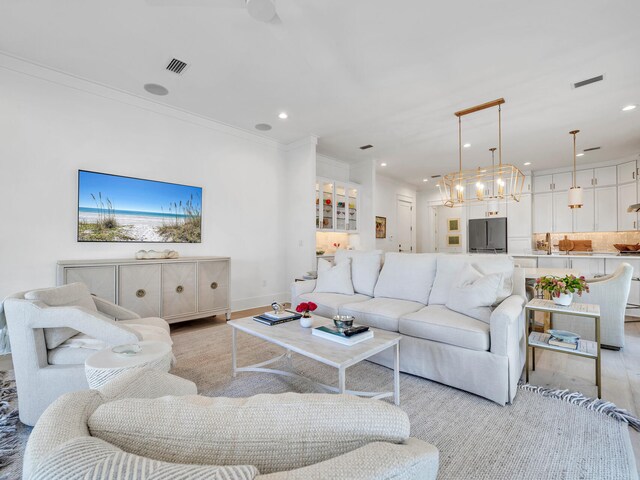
139, 289
178, 289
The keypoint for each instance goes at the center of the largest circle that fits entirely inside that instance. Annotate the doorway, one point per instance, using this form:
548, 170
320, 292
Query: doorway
405, 225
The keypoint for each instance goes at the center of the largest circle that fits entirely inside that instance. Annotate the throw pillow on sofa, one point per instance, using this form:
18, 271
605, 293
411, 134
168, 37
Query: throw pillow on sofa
334, 279
475, 293
365, 268
407, 276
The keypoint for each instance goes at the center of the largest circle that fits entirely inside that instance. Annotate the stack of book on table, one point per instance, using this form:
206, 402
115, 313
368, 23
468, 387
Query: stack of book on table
273, 318
564, 339
350, 336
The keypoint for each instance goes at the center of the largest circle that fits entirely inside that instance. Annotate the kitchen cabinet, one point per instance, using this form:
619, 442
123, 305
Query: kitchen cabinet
554, 261
562, 214
542, 183
605, 176
519, 217
584, 217
627, 195
605, 200
518, 245
585, 178
627, 172
562, 181
589, 267
542, 216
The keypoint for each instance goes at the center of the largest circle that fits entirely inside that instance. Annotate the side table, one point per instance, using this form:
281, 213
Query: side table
105, 365
586, 348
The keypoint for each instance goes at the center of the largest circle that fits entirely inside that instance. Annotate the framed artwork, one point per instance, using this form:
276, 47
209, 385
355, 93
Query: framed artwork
381, 227
453, 240
453, 224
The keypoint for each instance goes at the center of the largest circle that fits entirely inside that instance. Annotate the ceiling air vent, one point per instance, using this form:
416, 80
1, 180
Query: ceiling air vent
436, 176
591, 149
176, 66
366, 147
588, 81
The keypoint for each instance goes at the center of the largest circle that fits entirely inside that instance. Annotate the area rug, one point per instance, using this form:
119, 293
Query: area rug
538, 437
13, 434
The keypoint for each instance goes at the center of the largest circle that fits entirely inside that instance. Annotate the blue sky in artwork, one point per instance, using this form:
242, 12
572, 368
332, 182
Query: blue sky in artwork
134, 194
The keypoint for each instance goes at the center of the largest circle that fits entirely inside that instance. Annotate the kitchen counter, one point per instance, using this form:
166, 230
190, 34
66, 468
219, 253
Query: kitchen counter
573, 255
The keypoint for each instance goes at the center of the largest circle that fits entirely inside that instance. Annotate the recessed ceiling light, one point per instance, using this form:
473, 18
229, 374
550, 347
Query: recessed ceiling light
466, 145
425, 179
580, 155
263, 127
629, 108
527, 163
283, 115
383, 164
155, 89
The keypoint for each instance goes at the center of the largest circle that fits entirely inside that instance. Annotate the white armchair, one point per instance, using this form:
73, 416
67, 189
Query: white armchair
42, 323
611, 292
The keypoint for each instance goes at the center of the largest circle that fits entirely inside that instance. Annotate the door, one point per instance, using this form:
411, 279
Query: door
542, 216
584, 178
605, 203
213, 285
542, 183
342, 205
627, 195
627, 172
405, 226
562, 181
178, 289
101, 281
584, 217
604, 176
139, 289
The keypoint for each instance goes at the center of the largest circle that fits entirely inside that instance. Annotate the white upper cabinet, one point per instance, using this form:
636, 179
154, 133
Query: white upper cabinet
605, 176
627, 172
337, 206
519, 217
542, 183
542, 217
605, 205
562, 214
627, 195
584, 178
562, 181
584, 218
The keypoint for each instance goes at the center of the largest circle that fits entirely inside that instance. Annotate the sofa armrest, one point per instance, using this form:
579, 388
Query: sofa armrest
300, 288
413, 459
83, 320
113, 310
504, 323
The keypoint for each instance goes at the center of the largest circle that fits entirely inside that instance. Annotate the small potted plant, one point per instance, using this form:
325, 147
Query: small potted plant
305, 308
562, 289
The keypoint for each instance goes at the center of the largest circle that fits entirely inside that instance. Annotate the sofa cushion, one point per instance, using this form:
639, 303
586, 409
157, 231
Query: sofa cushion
450, 266
438, 323
63, 355
67, 295
334, 279
380, 312
365, 268
474, 294
329, 303
230, 431
407, 276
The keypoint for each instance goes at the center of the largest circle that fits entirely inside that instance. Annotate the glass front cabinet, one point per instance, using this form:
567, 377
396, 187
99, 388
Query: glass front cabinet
336, 206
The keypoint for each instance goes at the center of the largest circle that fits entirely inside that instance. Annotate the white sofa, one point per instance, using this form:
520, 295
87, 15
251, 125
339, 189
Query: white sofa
150, 425
408, 295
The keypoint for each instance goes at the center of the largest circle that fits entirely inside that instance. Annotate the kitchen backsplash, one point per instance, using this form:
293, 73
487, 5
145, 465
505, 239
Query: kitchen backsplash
601, 241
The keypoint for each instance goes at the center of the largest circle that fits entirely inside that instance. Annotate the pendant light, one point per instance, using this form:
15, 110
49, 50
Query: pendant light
575, 192
492, 209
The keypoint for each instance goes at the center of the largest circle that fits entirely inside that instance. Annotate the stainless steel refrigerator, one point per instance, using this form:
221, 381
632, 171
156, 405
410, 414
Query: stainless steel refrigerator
488, 235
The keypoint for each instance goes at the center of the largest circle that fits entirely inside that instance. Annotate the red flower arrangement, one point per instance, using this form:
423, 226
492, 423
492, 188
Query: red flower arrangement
305, 308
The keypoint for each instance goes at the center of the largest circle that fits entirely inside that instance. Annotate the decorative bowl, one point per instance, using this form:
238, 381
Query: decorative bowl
319, 252
621, 247
342, 322
128, 349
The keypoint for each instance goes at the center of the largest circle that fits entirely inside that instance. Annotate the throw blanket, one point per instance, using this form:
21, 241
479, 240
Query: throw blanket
148, 332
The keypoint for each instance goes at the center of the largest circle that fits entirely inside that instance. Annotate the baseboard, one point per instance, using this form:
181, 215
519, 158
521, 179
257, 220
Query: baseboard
253, 302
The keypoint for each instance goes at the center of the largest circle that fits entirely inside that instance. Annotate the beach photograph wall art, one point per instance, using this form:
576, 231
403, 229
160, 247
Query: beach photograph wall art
112, 208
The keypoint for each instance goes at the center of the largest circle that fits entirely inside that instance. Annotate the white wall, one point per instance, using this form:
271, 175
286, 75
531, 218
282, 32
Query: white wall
364, 173
54, 125
386, 194
332, 168
427, 199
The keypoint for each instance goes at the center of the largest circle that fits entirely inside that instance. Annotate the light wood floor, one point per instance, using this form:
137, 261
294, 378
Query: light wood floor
620, 370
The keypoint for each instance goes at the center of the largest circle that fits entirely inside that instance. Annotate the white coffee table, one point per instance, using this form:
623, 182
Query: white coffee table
105, 365
292, 337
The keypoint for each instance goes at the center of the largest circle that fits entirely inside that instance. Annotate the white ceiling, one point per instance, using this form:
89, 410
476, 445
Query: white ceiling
389, 73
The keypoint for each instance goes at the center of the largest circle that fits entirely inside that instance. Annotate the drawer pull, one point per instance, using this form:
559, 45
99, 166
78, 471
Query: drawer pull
140, 293
179, 289
214, 285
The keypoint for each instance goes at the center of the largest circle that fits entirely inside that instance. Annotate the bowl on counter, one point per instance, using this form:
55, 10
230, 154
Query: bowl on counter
627, 247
